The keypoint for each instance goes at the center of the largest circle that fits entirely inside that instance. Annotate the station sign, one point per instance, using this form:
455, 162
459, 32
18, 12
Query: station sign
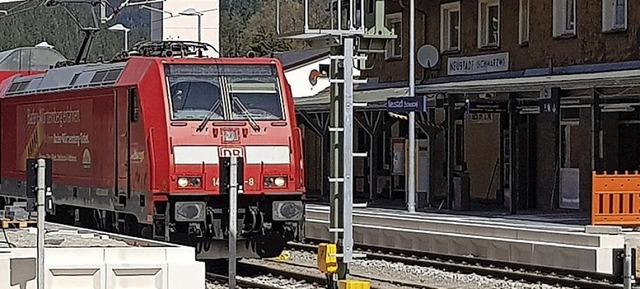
550, 100
407, 104
487, 107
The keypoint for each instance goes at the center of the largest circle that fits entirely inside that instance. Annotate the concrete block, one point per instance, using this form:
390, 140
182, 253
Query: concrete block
611, 241
591, 229
135, 254
75, 276
497, 251
101, 268
180, 254
73, 256
17, 273
181, 275
142, 275
604, 261
577, 239
440, 245
569, 257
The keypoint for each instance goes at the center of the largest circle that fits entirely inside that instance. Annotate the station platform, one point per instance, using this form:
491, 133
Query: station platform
80, 258
538, 240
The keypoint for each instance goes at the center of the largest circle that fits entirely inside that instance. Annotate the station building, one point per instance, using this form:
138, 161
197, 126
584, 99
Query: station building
527, 99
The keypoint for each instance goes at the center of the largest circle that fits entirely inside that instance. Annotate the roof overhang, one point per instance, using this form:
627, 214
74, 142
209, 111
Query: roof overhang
610, 84
536, 83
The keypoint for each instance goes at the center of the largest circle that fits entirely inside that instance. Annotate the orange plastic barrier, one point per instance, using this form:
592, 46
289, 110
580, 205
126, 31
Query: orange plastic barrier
616, 199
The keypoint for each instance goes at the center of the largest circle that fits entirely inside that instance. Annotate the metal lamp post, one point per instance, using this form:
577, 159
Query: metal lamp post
194, 12
411, 179
120, 27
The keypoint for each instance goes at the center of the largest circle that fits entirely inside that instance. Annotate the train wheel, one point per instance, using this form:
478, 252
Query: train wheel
146, 232
269, 245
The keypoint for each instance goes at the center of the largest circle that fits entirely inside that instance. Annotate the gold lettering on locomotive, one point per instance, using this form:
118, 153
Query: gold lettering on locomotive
35, 142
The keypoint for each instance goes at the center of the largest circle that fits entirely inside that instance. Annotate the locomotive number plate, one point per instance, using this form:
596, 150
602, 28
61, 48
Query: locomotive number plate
230, 152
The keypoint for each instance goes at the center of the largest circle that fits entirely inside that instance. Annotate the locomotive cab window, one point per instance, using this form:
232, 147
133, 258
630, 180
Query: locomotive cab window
224, 92
193, 99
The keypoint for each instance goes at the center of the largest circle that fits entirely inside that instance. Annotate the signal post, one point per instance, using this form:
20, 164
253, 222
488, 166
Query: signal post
231, 170
352, 34
39, 187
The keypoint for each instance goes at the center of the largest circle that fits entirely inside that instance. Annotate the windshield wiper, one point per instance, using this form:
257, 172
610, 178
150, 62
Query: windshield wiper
246, 112
208, 116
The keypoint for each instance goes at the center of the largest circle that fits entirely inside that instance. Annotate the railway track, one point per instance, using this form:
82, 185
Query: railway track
550, 276
261, 275
283, 274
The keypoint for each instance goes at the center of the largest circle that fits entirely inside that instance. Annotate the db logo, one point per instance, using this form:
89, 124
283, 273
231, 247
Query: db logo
230, 152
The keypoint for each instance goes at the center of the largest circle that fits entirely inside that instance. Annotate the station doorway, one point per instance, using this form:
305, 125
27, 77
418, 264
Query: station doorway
497, 154
480, 137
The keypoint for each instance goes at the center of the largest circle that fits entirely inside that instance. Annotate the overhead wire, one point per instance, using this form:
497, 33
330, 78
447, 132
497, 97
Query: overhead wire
6, 239
11, 12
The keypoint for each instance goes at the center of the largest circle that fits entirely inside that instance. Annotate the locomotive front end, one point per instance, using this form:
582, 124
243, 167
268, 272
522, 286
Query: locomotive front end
218, 110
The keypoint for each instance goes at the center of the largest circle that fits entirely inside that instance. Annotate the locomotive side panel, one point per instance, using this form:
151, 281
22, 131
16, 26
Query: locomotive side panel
8, 114
75, 133
150, 131
133, 196
139, 160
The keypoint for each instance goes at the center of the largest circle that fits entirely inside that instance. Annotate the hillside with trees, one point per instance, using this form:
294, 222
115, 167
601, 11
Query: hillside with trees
30, 23
245, 25
246, 29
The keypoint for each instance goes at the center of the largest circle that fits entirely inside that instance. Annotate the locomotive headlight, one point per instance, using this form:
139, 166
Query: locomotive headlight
183, 182
189, 182
190, 211
287, 210
280, 182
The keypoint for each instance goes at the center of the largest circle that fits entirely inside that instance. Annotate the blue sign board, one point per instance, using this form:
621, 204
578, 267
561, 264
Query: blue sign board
407, 104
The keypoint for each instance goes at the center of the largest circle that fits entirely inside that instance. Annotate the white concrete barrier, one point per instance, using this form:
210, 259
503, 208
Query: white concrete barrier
103, 268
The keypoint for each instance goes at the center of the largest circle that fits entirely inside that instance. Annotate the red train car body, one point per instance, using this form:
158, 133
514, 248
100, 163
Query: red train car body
136, 148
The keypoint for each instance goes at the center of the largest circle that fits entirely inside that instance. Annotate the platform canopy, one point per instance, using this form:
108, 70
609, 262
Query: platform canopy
536, 83
376, 99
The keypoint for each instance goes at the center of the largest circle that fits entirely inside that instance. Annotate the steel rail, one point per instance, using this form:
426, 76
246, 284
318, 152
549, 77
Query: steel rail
551, 276
212, 277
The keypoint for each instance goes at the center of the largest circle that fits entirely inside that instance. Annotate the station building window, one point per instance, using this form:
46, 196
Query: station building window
450, 26
523, 37
394, 47
488, 23
564, 18
614, 15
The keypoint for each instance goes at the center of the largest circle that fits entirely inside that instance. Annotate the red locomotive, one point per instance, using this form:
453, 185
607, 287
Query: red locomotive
136, 146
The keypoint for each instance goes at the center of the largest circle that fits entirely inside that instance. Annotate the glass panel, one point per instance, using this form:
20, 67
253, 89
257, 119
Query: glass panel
493, 24
43, 58
11, 62
247, 91
484, 29
570, 15
446, 30
454, 29
525, 20
25, 59
397, 43
620, 13
193, 99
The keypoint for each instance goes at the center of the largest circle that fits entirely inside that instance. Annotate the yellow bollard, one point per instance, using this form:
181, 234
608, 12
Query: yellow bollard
327, 260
